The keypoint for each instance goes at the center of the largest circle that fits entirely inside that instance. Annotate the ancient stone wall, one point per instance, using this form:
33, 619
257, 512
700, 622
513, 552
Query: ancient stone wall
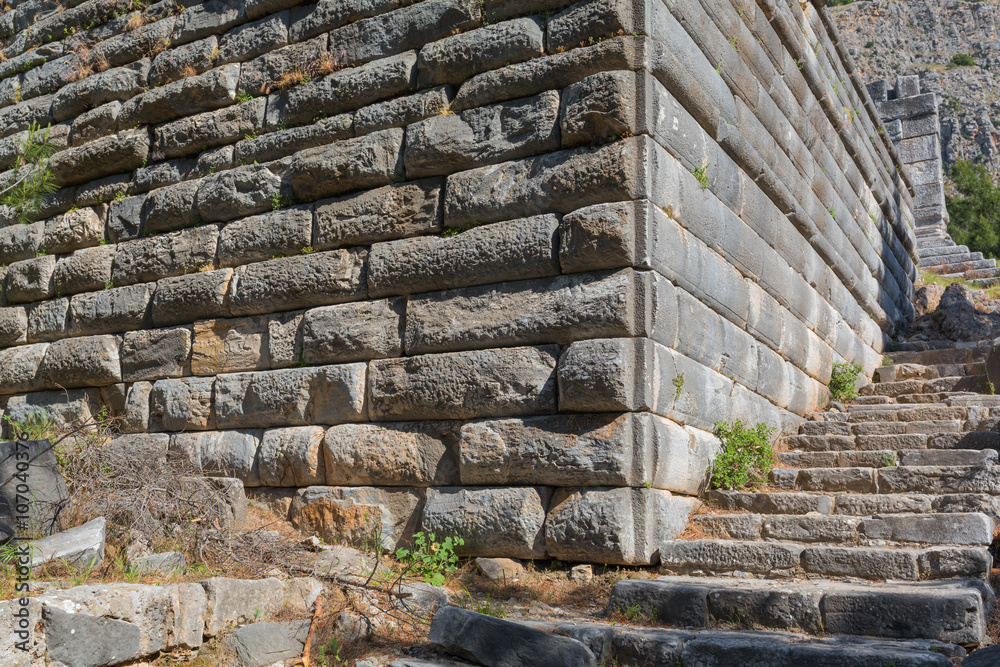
492, 269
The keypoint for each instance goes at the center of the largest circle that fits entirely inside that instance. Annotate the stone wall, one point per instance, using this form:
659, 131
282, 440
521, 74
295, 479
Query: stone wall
483, 268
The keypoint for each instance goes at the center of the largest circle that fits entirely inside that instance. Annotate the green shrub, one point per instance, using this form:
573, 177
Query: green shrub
975, 210
844, 380
431, 559
962, 60
746, 457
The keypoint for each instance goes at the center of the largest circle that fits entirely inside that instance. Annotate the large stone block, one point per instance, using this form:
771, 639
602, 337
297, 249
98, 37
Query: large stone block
111, 311
253, 39
284, 339
316, 279
560, 182
400, 454
614, 525
118, 84
232, 602
494, 253
550, 310
292, 397
164, 255
601, 107
354, 514
192, 297
206, 92
262, 237
403, 110
239, 192
20, 242
47, 320
221, 453
156, 353
461, 385
111, 155
19, 368
454, 59
354, 164
284, 142
86, 270
292, 457
169, 208
394, 211
184, 404
13, 325
455, 142
353, 331
228, 346
210, 129
72, 230
506, 522
168, 66
30, 280
91, 361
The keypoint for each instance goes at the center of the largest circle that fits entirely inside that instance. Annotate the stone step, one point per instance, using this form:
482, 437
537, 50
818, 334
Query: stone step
907, 412
824, 428
621, 644
952, 528
851, 504
897, 372
911, 388
989, 275
781, 559
881, 458
949, 355
935, 251
938, 397
949, 611
947, 260
897, 479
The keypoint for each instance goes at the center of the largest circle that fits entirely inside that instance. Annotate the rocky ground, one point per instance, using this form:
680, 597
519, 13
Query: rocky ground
888, 38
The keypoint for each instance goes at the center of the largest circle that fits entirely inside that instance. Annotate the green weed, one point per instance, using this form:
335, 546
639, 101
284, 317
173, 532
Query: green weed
746, 457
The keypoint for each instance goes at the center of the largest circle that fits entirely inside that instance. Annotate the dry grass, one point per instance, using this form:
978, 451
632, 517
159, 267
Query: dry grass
135, 22
289, 80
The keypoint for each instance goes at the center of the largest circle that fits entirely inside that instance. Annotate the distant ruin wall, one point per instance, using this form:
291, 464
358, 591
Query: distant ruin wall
446, 265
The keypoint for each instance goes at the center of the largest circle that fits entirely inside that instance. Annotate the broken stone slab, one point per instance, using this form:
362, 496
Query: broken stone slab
264, 643
422, 598
167, 563
81, 639
48, 493
231, 602
353, 514
499, 569
498, 643
494, 522
82, 546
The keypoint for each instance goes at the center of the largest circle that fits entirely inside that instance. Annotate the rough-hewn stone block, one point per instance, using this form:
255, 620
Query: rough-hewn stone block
165, 255
156, 354
205, 92
86, 270
402, 454
455, 59
262, 237
221, 453
90, 361
353, 164
183, 404
353, 331
111, 311
292, 457
228, 346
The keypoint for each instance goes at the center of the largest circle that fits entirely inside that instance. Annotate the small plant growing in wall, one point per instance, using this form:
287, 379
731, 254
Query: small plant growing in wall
844, 381
30, 177
701, 175
431, 559
678, 385
746, 457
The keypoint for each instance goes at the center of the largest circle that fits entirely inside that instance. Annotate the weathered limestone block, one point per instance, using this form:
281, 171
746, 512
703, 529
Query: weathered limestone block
76, 229
233, 602
115, 85
169, 65
282, 143
238, 192
122, 47
228, 346
20, 242
457, 58
342, 91
549, 310
192, 297
602, 106
614, 525
125, 218
90, 361
402, 110
302, 281
183, 404
170, 208
292, 397
108, 640
292, 457
462, 385
253, 39
284, 339
260, 75
19, 117
487, 135
111, 311
401, 454
586, 450
221, 453
156, 353
164, 255
353, 514
493, 253
603, 236
47, 320
562, 182
19, 368
405, 28
207, 130
353, 331
506, 522
262, 237
94, 124
354, 164
325, 15
86, 270
103, 157
206, 92
597, 18
13, 325
391, 212
47, 78
31, 279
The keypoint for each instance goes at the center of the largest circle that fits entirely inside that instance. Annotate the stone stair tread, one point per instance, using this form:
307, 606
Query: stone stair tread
850, 504
882, 458
949, 611
895, 479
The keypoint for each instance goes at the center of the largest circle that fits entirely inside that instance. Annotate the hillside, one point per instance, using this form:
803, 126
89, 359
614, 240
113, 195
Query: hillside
892, 37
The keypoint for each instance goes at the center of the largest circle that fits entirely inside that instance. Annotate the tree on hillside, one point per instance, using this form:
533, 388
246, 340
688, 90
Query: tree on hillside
975, 210
24, 186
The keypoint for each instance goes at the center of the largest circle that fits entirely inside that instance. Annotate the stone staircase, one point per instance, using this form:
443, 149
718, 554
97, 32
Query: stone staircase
879, 519
937, 252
